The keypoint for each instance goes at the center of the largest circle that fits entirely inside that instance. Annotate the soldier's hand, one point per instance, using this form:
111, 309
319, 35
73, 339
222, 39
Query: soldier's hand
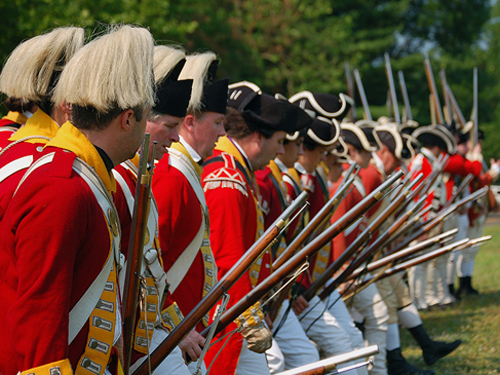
192, 345
299, 305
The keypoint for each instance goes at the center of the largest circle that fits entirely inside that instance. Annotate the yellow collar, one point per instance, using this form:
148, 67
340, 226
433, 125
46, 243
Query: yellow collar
17, 117
180, 147
275, 170
38, 124
72, 139
225, 145
136, 159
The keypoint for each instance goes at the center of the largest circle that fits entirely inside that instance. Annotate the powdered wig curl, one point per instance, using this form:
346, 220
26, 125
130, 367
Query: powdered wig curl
32, 70
113, 72
196, 68
165, 59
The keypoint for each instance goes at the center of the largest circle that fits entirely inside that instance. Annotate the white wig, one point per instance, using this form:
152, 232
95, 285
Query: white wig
28, 73
196, 68
113, 71
165, 59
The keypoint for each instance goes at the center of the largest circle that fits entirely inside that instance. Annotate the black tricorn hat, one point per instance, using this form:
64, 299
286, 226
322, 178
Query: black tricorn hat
276, 115
368, 127
355, 136
323, 131
304, 122
215, 96
172, 95
391, 137
245, 96
325, 105
436, 135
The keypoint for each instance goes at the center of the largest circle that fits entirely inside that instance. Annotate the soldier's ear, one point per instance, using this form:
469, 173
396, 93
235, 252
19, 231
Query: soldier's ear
189, 122
127, 119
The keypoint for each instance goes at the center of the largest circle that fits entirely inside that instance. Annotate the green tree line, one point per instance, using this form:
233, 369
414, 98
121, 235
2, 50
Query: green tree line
290, 45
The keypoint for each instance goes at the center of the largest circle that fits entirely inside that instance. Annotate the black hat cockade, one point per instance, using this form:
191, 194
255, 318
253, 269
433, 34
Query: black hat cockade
172, 95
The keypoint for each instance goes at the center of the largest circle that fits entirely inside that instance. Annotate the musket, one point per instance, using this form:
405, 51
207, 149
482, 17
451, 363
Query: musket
392, 88
432, 87
346, 183
449, 202
444, 84
456, 108
354, 247
319, 218
362, 95
459, 245
306, 252
330, 365
441, 215
317, 221
404, 92
475, 109
439, 239
135, 255
222, 286
350, 91
370, 250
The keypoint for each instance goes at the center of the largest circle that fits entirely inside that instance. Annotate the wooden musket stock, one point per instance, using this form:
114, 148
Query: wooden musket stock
309, 250
227, 281
135, 254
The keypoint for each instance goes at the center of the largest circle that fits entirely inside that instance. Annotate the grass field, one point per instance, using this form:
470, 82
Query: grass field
476, 321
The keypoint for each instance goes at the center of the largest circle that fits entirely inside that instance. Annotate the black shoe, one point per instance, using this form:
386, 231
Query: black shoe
432, 350
453, 292
438, 350
470, 289
397, 365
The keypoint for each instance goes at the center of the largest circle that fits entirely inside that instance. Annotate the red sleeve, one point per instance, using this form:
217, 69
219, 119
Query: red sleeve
55, 236
457, 164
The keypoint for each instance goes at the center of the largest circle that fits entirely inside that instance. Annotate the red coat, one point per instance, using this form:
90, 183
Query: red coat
459, 165
231, 200
8, 126
57, 241
180, 218
38, 124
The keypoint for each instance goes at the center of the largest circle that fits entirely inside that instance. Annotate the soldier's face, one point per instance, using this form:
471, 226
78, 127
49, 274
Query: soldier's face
137, 132
291, 153
362, 157
207, 130
269, 148
164, 131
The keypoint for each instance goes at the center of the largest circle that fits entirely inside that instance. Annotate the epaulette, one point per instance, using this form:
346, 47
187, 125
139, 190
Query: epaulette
64, 166
232, 176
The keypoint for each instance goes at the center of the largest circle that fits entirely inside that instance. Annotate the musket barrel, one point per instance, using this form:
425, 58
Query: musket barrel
330, 364
403, 253
226, 282
309, 250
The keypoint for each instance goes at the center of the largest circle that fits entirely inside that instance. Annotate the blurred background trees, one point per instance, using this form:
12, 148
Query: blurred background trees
290, 45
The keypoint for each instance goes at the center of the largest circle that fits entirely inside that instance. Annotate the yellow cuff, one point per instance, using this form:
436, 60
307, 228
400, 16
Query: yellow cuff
62, 367
250, 317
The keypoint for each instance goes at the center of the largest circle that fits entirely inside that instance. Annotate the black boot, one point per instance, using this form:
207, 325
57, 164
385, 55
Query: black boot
462, 289
432, 350
397, 365
469, 288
